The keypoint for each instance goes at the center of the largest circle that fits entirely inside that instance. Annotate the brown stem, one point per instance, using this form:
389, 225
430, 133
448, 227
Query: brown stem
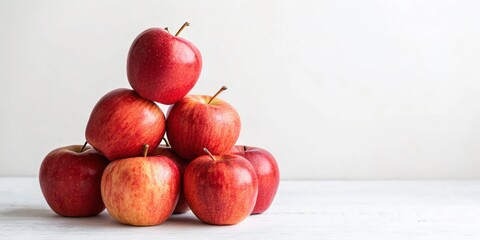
218, 92
145, 149
84, 145
183, 26
166, 29
166, 142
209, 153
244, 148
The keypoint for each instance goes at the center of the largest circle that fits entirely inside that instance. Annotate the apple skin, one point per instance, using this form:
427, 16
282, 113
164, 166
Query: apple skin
141, 191
182, 205
70, 181
221, 192
193, 124
121, 122
162, 67
267, 171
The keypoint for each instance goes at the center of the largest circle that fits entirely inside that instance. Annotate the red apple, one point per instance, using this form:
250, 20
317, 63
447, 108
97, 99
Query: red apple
70, 181
221, 189
267, 171
121, 122
141, 191
166, 150
198, 122
163, 67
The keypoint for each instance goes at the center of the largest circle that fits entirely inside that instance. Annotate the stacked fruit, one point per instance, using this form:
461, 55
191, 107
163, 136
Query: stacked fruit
141, 182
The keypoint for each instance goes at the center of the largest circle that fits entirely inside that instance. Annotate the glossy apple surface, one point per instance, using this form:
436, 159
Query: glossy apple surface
163, 150
267, 171
70, 181
163, 67
221, 191
141, 191
121, 122
193, 124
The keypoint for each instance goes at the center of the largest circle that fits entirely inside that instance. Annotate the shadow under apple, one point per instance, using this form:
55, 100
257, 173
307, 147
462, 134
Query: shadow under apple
36, 213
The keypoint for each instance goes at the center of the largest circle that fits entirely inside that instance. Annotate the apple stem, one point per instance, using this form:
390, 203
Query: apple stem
145, 149
83, 147
166, 29
216, 94
166, 142
244, 148
183, 26
209, 153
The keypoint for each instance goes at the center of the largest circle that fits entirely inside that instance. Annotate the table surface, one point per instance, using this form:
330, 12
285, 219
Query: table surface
302, 210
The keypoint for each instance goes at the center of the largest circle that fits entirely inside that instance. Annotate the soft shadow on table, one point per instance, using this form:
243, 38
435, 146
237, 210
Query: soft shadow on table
101, 221
188, 220
49, 216
184, 220
28, 212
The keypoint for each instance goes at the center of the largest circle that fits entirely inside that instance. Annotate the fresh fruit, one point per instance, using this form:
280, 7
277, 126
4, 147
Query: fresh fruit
121, 122
267, 172
70, 181
198, 122
221, 189
163, 67
142, 183
141, 191
166, 150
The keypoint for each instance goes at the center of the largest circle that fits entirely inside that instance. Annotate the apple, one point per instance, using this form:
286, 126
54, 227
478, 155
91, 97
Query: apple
121, 122
70, 180
141, 191
199, 121
166, 150
221, 189
163, 67
267, 172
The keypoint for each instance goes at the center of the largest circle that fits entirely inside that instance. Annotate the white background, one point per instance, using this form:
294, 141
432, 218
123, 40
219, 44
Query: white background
334, 89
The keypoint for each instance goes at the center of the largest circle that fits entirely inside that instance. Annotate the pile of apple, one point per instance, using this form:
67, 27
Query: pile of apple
143, 183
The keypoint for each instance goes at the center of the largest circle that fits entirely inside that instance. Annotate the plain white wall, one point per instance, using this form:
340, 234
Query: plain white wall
334, 89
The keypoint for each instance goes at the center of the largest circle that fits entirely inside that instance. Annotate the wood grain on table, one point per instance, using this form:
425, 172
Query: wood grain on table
302, 210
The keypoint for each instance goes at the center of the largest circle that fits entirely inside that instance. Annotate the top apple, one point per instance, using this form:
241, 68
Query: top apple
163, 67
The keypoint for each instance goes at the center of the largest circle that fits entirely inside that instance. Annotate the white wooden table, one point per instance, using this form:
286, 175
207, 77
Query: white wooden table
302, 210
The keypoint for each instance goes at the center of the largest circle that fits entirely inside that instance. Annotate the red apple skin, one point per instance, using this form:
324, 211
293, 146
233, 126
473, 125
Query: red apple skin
182, 205
193, 124
221, 192
121, 122
267, 171
70, 181
162, 67
141, 191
